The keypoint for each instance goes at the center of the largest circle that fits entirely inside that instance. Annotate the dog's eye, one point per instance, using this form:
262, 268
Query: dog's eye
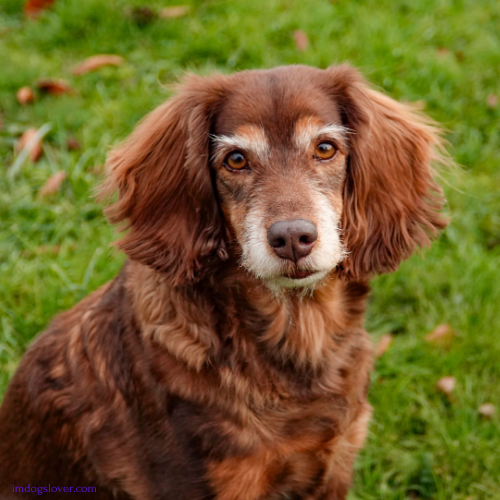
236, 161
325, 151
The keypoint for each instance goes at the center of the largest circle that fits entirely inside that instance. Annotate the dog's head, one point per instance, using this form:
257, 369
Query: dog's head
296, 172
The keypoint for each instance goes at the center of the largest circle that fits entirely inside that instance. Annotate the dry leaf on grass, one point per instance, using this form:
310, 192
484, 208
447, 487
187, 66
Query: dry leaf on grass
25, 96
24, 141
54, 87
301, 40
174, 12
441, 335
492, 101
442, 51
383, 344
95, 62
73, 144
446, 385
487, 410
141, 15
33, 8
28, 145
53, 184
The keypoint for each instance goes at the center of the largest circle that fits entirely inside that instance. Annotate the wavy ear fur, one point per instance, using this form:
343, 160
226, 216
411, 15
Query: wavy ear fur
165, 192
391, 202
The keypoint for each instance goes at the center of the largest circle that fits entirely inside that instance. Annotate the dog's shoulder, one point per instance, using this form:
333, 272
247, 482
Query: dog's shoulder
55, 387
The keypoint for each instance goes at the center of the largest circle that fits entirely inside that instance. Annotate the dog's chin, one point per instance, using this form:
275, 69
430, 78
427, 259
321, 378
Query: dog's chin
299, 280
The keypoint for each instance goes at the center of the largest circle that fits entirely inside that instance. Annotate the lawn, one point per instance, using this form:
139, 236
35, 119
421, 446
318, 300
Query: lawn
54, 249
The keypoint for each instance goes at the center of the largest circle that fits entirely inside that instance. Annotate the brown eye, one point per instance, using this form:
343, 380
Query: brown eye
325, 151
236, 161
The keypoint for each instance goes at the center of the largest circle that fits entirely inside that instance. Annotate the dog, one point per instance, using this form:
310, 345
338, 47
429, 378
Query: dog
228, 359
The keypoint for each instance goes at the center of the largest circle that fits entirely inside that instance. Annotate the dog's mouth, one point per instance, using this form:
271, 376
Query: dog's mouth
298, 274
297, 278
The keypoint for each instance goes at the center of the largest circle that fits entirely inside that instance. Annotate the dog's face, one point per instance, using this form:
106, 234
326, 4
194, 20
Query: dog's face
296, 172
279, 153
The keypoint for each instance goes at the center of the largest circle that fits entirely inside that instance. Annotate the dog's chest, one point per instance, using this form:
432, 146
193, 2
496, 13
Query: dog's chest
283, 456
267, 451
262, 428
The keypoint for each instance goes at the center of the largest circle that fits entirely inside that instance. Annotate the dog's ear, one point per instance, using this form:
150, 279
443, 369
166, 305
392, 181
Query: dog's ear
391, 202
165, 193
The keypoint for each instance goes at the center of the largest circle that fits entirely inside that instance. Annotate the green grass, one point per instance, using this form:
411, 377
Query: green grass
445, 53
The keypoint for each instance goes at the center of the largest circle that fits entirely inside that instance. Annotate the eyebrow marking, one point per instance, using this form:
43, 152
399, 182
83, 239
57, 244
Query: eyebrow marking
249, 138
309, 129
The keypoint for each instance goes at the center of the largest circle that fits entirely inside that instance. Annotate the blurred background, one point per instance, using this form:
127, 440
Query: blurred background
75, 76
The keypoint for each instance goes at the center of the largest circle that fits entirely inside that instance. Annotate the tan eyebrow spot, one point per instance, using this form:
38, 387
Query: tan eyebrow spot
308, 128
307, 123
250, 138
252, 133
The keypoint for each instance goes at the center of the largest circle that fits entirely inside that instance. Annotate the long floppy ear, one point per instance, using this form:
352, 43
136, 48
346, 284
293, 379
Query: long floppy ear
391, 202
165, 192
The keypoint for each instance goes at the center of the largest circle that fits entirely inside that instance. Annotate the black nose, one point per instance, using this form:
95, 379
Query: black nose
292, 239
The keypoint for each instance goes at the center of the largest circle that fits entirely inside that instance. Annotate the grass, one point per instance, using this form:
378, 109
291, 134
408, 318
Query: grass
444, 53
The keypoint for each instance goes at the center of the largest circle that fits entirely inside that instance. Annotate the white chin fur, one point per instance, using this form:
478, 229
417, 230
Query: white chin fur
309, 282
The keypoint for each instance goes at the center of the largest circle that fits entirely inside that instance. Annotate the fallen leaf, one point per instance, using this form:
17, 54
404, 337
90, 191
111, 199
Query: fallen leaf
141, 15
35, 152
446, 385
53, 184
95, 62
54, 87
174, 12
383, 344
301, 40
492, 101
487, 410
442, 51
33, 8
28, 145
73, 144
25, 96
441, 335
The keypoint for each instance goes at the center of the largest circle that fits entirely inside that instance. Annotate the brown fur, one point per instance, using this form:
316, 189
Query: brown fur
187, 377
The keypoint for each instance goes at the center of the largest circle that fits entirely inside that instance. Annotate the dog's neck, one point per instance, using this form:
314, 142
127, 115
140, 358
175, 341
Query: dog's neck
197, 323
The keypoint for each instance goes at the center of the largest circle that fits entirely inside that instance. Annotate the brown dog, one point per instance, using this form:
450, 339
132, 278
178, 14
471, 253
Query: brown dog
228, 359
